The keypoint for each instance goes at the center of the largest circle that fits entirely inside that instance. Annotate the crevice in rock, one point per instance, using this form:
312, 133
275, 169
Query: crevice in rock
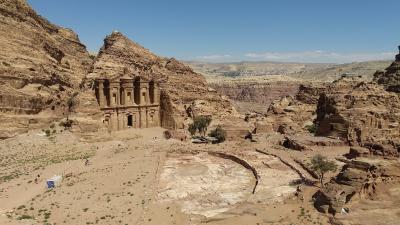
303, 177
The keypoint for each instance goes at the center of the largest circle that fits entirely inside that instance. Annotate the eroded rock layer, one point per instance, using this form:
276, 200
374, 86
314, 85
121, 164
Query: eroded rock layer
367, 177
254, 96
40, 63
390, 78
360, 113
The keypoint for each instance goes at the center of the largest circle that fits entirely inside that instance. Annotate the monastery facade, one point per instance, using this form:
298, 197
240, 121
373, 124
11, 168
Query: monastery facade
129, 102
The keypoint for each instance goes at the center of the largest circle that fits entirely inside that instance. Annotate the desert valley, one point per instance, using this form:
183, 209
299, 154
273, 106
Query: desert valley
125, 136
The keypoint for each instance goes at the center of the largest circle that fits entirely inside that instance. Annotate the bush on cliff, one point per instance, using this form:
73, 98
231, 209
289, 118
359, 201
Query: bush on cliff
200, 124
321, 165
219, 133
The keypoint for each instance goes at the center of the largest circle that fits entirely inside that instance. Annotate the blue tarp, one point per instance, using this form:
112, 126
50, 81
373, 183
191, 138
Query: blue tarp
50, 184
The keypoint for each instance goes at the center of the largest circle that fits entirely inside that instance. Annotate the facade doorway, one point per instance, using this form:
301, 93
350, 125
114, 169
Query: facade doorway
130, 121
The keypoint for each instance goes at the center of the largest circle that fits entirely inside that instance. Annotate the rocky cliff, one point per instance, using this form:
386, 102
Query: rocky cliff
362, 178
40, 65
361, 113
181, 87
255, 96
390, 78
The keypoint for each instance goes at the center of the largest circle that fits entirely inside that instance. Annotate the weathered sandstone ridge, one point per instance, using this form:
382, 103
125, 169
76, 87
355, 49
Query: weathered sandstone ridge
255, 94
40, 64
362, 178
360, 113
183, 93
293, 114
390, 78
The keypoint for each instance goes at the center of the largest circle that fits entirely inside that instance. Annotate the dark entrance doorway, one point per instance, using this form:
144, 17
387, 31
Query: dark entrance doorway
130, 121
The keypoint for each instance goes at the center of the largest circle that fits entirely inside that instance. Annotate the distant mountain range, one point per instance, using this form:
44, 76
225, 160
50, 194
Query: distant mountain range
302, 71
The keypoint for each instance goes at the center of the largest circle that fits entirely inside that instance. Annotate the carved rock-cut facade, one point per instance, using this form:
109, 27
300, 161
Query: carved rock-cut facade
129, 102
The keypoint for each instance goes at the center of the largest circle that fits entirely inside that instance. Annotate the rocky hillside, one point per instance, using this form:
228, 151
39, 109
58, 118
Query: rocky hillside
253, 96
218, 72
250, 69
181, 87
40, 65
361, 113
334, 72
390, 78
253, 85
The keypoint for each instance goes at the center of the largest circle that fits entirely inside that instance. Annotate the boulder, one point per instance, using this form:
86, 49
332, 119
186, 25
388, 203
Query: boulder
356, 151
305, 142
181, 135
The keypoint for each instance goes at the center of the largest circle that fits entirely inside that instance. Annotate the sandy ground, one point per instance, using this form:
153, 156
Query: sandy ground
138, 177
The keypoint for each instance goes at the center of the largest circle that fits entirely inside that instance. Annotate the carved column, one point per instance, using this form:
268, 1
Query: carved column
111, 96
122, 97
118, 95
143, 94
156, 95
148, 94
101, 93
133, 94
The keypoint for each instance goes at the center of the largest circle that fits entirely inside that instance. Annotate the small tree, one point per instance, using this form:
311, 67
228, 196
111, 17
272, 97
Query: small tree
321, 165
72, 102
312, 128
219, 133
200, 124
192, 129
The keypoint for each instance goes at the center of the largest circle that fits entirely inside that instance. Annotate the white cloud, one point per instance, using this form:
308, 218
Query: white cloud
319, 56
214, 57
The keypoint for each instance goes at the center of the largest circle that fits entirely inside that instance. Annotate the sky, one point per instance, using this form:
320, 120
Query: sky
321, 31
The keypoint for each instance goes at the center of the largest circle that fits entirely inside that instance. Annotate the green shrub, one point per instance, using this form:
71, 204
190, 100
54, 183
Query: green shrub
321, 165
25, 217
66, 124
312, 128
200, 124
219, 133
192, 129
48, 132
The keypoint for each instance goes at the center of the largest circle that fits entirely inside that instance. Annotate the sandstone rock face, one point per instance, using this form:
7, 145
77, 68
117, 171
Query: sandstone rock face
254, 96
181, 87
390, 78
293, 115
40, 63
360, 113
359, 179
305, 142
309, 93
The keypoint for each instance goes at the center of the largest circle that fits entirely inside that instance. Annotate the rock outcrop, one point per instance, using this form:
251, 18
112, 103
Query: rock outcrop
294, 115
360, 178
41, 64
181, 87
306, 142
360, 113
254, 96
390, 78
